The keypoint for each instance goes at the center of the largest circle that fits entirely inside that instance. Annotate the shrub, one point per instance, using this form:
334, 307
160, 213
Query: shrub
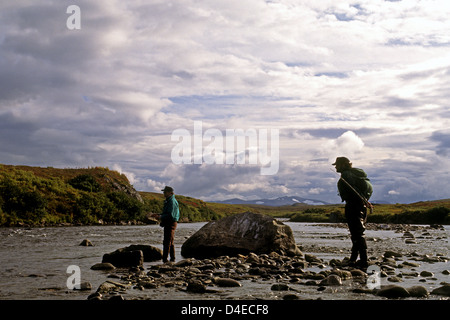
85, 182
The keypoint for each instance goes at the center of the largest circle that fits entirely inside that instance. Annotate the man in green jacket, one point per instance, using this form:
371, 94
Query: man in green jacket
355, 189
169, 221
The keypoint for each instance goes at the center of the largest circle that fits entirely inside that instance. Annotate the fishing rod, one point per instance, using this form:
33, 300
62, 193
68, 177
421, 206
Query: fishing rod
366, 202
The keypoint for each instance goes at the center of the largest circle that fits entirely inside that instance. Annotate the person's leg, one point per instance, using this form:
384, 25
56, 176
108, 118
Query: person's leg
172, 241
166, 242
356, 217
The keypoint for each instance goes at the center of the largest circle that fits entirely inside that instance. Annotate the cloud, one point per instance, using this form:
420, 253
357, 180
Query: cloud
367, 80
348, 144
443, 140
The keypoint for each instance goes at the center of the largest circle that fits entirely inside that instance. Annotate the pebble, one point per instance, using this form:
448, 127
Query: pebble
356, 273
394, 279
426, 274
410, 264
332, 280
227, 282
280, 287
444, 290
392, 254
103, 266
418, 292
393, 291
196, 286
86, 243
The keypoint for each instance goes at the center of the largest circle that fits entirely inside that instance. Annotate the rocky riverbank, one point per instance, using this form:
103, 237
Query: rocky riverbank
287, 277
397, 272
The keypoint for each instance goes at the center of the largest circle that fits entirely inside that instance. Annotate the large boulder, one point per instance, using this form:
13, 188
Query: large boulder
241, 234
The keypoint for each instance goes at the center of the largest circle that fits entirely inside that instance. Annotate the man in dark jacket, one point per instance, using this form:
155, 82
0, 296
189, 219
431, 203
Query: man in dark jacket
354, 187
169, 221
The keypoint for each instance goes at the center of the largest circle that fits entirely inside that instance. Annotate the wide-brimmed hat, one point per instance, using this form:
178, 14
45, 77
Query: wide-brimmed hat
341, 160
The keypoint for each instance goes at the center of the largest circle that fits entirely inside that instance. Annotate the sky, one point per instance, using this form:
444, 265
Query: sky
110, 85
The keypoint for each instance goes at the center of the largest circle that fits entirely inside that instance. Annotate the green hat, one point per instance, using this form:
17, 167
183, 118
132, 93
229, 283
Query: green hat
341, 160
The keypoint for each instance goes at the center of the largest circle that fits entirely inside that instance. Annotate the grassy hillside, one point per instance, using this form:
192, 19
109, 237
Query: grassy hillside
49, 196
192, 210
36, 196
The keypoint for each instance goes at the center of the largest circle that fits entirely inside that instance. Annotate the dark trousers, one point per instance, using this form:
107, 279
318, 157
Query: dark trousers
168, 242
356, 215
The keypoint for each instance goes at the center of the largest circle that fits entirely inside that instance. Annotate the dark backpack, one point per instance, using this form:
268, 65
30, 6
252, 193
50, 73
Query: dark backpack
361, 183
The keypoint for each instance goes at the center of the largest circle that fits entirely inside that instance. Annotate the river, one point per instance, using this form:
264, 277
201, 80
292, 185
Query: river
35, 261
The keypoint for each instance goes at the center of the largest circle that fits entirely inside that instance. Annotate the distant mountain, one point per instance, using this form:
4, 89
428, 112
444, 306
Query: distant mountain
281, 201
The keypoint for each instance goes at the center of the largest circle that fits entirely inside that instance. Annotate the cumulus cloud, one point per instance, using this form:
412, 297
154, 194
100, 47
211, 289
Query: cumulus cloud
347, 144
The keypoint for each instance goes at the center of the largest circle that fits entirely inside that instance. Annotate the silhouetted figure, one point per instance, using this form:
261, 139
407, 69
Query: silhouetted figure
355, 189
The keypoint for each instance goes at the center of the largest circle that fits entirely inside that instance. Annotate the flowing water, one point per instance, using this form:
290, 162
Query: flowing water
34, 261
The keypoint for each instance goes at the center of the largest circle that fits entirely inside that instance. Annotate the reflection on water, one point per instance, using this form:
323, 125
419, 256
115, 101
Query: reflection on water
34, 261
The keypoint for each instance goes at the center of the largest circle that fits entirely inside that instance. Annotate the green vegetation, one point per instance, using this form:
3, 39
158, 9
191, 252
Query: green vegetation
34, 196
48, 196
192, 210
429, 212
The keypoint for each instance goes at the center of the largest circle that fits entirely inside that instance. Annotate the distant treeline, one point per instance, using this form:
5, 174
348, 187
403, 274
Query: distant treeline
382, 214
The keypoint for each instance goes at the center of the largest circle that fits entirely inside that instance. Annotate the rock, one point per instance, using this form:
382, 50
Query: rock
443, 291
394, 279
103, 266
280, 287
252, 258
343, 274
393, 291
83, 286
408, 234
363, 290
410, 274
312, 259
392, 254
95, 296
410, 264
389, 262
241, 234
86, 243
227, 282
446, 272
418, 292
184, 263
109, 286
124, 259
426, 274
196, 286
331, 280
356, 273
150, 253
290, 296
